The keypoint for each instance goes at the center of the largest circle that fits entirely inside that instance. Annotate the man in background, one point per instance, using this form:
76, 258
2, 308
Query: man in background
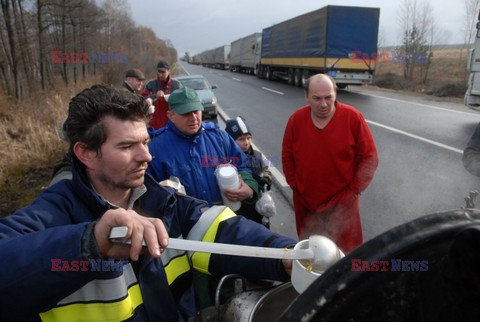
156, 89
191, 151
134, 80
329, 157
471, 154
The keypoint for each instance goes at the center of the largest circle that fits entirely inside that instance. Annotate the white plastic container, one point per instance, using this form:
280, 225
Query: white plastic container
302, 276
227, 178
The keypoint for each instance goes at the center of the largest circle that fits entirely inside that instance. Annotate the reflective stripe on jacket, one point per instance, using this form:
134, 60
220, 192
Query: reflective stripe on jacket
157, 290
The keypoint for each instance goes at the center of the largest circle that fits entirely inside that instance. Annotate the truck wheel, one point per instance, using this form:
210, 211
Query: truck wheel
342, 86
268, 73
297, 79
260, 71
291, 76
305, 76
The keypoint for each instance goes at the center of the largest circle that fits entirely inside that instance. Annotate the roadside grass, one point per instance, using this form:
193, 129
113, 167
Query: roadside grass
29, 135
447, 75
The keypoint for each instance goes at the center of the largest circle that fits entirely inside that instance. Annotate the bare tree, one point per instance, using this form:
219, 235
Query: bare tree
419, 33
31, 30
12, 43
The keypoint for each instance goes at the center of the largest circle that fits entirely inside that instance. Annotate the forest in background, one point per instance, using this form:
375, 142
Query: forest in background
96, 38
35, 87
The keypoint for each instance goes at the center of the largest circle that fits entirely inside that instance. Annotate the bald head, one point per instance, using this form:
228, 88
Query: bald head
321, 80
321, 95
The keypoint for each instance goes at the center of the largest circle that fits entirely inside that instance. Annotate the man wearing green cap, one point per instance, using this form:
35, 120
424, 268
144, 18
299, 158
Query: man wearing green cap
191, 150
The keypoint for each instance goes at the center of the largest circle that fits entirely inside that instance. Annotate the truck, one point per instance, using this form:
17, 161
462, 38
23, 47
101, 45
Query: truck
472, 96
221, 57
208, 58
245, 54
340, 41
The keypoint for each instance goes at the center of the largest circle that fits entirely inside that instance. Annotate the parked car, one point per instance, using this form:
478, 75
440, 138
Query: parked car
205, 92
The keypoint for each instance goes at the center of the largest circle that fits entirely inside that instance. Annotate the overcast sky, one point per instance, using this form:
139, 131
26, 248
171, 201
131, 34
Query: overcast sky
197, 25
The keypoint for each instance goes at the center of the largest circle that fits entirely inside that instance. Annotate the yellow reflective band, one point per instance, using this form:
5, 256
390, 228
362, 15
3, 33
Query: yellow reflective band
90, 312
176, 267
320, 62
200, 260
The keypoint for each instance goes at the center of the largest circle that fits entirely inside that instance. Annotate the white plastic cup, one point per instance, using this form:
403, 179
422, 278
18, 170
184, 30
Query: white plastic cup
227, 178
303, 277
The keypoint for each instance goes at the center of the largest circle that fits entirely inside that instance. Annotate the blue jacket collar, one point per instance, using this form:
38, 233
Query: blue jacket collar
98, 206
177, 132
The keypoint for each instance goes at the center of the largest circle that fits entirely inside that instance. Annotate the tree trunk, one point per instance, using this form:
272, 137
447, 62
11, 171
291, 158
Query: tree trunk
64, 41
12, 42
41, 53
23, 44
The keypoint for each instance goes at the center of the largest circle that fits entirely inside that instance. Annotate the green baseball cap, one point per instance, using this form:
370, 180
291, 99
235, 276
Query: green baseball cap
184, 100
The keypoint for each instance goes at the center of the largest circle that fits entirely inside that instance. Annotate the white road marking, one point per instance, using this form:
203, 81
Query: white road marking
416, 137
273, 91
236, 79
420, 104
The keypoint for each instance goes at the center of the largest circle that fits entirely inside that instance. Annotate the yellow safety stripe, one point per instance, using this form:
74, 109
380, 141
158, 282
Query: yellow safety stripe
91, 312
342, 63
176, 267
200, 260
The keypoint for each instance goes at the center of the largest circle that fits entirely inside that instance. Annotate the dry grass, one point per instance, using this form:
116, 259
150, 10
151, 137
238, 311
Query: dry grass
29, 130
448, 66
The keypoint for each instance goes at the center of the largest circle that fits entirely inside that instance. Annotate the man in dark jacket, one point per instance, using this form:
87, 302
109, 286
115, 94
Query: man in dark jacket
133, 81
59, 261
157, 89
471, 154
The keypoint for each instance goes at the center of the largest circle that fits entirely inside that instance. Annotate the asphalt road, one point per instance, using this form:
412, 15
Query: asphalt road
420, 143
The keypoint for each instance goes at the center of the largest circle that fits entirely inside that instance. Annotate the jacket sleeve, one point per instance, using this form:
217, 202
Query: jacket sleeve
471, 154
31, 240
149, 90
220, 224
175, 85
366, 158
288, 159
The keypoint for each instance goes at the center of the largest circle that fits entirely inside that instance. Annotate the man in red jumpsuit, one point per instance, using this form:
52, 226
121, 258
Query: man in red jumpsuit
329, 157
156, 89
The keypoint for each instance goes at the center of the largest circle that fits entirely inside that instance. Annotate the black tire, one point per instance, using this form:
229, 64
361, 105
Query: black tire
447, 242
268, 73
297, 79
291, 76
260, 71
305, 76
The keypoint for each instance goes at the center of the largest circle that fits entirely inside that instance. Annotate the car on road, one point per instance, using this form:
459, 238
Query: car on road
205, 92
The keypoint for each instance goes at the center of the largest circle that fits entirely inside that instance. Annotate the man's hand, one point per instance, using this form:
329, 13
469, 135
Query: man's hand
140, 228
287, 264
160, 94
149, 101
242, 193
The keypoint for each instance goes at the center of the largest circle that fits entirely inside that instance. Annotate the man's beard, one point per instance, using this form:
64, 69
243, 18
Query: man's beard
124, 185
